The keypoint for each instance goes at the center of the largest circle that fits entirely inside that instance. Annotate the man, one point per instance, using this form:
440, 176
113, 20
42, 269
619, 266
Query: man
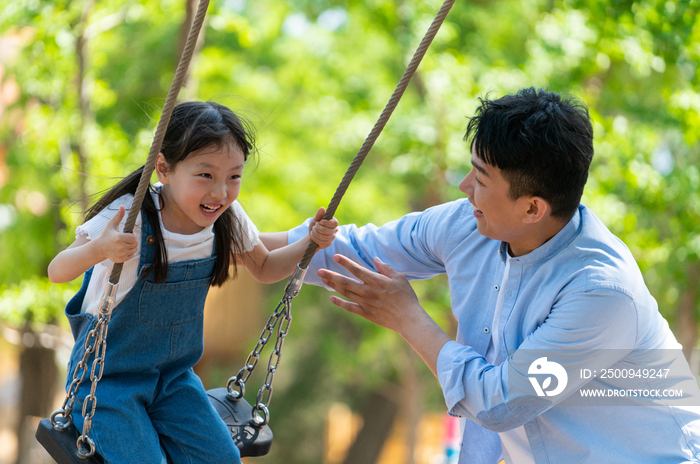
548, 301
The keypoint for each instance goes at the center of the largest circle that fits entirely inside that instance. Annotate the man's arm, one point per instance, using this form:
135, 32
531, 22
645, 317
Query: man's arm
414, 244
589, 329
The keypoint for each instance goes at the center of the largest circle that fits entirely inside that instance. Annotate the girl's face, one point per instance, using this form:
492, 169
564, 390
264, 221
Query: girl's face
199, 188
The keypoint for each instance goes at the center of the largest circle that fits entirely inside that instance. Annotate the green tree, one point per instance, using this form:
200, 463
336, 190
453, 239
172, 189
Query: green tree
313, 77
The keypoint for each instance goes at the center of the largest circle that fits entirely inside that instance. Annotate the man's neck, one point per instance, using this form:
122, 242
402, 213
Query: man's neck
540, 235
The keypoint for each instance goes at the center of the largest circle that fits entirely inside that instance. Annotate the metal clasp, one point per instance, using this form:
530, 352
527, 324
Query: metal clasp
295, 283
108, 298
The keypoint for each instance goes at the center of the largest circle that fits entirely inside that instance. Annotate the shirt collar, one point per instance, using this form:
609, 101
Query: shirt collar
552, 246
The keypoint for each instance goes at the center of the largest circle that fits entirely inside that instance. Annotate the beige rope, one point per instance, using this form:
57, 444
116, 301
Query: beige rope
180, 75
381, 122
171, 99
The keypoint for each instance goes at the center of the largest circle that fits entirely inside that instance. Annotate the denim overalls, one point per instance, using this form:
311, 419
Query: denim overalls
149, 401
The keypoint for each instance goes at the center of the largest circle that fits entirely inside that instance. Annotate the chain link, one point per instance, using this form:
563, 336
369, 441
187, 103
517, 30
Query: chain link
282, 315
240, 379
95, 342
265, 392
91, 399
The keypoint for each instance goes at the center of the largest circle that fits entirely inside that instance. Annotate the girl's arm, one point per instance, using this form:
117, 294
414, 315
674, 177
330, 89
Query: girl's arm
272, 266
274, 240
84, 253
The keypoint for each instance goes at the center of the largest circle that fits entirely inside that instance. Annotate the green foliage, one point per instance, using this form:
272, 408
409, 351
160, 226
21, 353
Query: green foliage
34, 301
313, 76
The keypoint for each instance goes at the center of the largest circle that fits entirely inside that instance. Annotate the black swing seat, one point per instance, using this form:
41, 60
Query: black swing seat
250, 440
237, 415
62, 445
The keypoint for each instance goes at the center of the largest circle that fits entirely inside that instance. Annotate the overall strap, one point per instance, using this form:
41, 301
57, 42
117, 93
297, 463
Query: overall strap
148, 240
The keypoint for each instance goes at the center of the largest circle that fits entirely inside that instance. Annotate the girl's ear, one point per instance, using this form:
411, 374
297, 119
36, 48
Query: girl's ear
162, 169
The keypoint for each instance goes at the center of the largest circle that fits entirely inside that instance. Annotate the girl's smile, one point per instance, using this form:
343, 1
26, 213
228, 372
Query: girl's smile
210, 209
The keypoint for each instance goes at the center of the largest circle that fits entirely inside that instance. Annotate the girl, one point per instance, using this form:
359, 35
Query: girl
152, 407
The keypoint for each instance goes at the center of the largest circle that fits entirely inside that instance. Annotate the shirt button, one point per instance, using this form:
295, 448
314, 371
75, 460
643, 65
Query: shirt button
496, 287
150, 240
486, 330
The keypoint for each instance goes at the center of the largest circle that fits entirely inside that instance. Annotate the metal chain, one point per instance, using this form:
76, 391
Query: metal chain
95, 342
78, 376
240, 379
283, 317
86, 447
261, 413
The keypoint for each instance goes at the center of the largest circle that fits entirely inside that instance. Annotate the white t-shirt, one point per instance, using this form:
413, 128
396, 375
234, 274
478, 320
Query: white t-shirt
515, 445
179, 247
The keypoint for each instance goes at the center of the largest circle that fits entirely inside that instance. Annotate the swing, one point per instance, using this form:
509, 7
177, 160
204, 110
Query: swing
247, 424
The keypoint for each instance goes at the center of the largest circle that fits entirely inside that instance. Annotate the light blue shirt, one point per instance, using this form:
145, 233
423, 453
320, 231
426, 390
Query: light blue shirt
580, 299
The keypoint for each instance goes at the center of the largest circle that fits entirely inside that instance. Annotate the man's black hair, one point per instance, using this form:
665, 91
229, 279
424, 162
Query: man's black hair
542, 143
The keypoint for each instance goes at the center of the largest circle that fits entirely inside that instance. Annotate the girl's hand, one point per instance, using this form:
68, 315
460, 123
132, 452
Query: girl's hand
114, 245
322, 231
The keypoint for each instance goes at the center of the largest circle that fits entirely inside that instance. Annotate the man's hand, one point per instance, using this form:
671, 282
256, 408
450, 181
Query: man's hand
387, 299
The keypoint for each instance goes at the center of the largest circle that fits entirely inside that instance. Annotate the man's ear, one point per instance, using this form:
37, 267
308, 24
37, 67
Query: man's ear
538, 209
162, 169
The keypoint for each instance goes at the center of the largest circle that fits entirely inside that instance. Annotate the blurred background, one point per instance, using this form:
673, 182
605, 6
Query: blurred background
82, 84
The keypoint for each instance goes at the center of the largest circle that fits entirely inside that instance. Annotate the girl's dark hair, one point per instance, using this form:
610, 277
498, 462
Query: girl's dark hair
542, 143
192, 126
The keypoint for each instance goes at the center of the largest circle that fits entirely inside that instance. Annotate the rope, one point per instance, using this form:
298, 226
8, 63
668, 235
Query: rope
171, 99
180, 75
381, 122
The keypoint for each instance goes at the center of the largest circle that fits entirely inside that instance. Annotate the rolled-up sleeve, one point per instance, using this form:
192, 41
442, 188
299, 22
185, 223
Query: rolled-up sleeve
451, 365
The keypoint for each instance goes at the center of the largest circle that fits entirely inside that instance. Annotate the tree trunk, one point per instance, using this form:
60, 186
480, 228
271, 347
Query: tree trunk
378, 419
686, 323
38, 375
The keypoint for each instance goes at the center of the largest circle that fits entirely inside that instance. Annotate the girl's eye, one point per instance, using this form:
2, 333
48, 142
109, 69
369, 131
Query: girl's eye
235, 177
208, 176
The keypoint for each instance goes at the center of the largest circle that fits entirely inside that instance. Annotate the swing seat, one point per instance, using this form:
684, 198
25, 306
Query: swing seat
61, 445
250, 440
237, 415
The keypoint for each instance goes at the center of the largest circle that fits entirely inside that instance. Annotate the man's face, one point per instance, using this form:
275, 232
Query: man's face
498, 216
